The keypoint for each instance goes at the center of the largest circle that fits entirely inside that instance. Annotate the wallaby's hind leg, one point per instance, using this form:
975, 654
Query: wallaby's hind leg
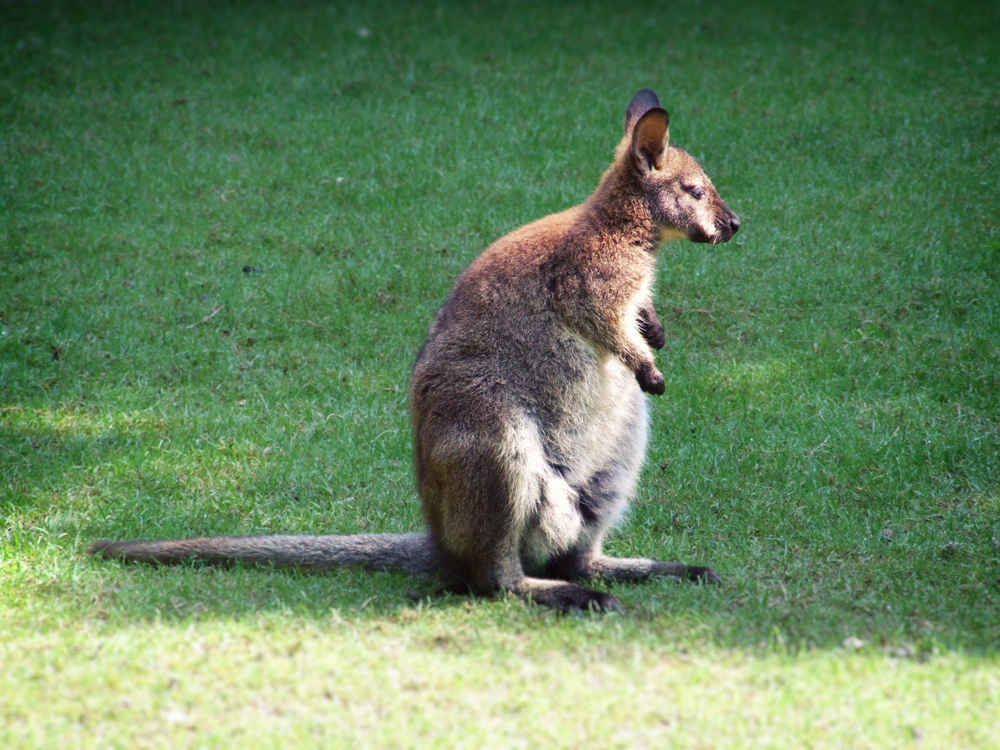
486, 500
497, 567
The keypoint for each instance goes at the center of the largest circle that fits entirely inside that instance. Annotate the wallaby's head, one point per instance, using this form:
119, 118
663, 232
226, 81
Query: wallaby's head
682, 200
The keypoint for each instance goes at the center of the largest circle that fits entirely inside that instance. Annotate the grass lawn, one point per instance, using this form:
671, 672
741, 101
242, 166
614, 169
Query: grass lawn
224, 233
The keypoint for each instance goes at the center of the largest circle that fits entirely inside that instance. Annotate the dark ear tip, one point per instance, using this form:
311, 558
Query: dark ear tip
642, 102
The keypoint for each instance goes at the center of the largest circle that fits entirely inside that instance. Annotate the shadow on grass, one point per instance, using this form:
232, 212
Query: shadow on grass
798, 575
748, 612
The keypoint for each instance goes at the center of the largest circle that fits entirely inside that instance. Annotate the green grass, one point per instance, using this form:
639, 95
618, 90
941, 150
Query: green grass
829, 440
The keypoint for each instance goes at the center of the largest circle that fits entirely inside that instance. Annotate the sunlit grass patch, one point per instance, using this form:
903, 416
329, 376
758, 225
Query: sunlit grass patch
306, 688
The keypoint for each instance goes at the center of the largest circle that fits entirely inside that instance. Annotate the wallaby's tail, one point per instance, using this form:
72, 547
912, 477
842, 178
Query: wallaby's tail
412, 553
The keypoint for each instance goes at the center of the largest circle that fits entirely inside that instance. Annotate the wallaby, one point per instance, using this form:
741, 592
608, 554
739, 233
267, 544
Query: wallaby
529, 418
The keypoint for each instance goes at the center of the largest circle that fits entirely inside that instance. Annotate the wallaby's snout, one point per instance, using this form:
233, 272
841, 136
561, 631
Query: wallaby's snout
708, 219
729, 225
721, 218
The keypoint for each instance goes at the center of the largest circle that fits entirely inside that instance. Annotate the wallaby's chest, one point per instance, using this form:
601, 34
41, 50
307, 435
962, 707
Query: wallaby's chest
595, 415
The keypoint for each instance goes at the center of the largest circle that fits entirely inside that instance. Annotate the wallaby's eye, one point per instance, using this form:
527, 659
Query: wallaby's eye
697, 191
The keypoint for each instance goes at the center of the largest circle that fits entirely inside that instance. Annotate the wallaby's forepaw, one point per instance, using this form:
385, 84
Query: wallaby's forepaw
700, 574
653, 332
651, 380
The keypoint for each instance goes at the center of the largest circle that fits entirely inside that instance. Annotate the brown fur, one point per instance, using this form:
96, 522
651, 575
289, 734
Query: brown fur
528, 414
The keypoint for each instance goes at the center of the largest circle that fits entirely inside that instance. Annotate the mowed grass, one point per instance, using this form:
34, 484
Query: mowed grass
224, 234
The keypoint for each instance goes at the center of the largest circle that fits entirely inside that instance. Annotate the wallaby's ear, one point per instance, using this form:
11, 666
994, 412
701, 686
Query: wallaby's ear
641, 103
650, 137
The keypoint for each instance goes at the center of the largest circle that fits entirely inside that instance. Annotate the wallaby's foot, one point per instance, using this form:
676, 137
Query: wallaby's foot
681, 572
628, 569
567, 597
576, 600
700, 574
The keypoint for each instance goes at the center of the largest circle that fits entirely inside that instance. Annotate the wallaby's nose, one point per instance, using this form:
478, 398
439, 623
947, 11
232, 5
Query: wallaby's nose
734, 223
